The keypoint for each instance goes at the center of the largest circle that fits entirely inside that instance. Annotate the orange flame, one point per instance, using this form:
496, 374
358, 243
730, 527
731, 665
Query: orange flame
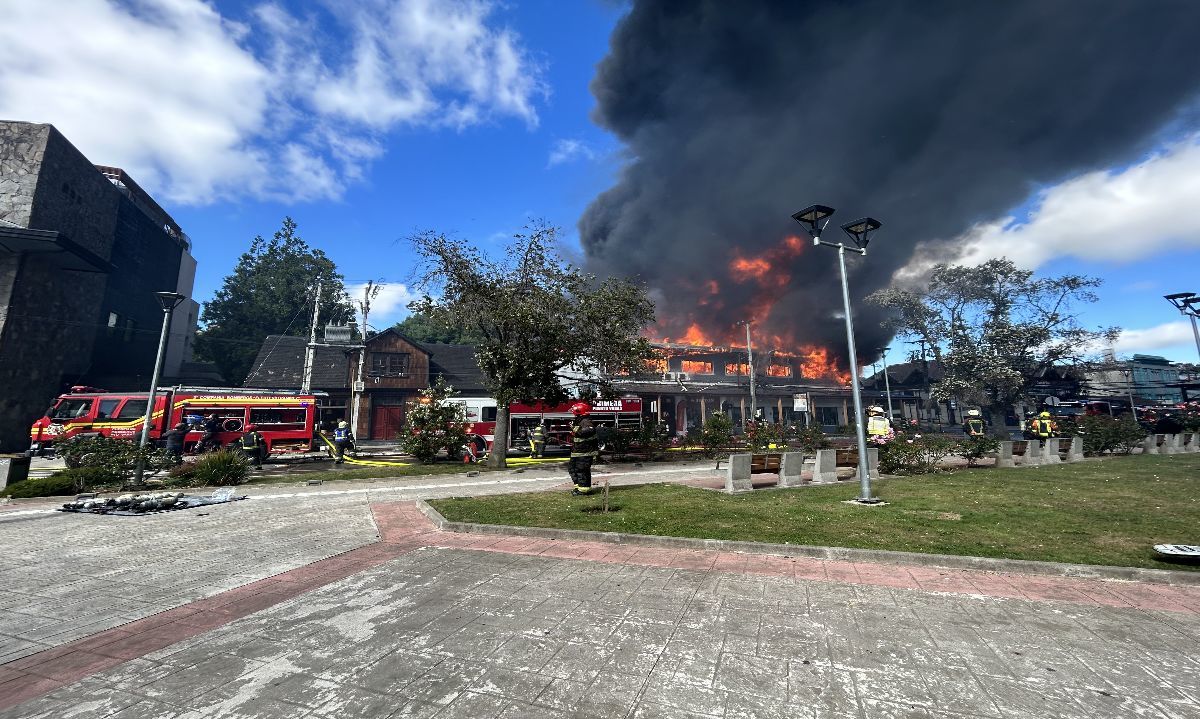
695, 367
737, 368
779, 370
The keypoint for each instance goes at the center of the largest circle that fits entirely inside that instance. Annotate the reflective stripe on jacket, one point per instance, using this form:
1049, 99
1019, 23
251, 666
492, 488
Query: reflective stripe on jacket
878, 425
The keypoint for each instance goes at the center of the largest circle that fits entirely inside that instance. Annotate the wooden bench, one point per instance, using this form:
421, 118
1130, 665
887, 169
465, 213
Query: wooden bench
765, 463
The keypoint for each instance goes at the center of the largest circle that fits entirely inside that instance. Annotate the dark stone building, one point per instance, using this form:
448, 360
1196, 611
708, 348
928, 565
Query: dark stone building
395, 370
83, 249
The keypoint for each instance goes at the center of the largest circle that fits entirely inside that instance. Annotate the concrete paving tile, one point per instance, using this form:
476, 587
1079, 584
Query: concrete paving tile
751, 675
472, 705
1179, 710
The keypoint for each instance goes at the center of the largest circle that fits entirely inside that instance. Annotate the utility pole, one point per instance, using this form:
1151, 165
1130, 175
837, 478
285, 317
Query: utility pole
887, 384
370, 292
311, 353
750, 366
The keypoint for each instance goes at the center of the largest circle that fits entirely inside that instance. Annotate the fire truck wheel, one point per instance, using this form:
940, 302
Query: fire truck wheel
480, 445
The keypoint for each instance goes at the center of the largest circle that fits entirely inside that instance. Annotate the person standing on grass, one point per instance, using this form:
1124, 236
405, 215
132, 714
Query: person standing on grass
584, 447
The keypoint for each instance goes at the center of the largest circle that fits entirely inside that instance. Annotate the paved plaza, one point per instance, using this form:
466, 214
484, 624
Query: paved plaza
348, 602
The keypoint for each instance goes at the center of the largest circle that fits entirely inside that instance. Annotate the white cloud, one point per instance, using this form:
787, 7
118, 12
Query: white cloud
389, 306
567, 150
1120, 216
198, 107
1171, 334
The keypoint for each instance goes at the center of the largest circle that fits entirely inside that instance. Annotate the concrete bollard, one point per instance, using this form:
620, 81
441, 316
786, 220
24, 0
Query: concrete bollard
1172, 444
1150, 444
1004, 456
790, 469
825, 467
1075, 451
1033, 453
1190, 442
737, 474
1050, 452
873, 463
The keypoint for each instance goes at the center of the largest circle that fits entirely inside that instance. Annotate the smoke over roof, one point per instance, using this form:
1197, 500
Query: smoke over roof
929, 115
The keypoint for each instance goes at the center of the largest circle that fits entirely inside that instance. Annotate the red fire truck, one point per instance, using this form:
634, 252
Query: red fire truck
285, 419
522, 418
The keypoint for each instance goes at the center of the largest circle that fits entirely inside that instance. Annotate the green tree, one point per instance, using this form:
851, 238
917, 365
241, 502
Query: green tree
422, 328
995, 329
435, 423
539, 320
269, 292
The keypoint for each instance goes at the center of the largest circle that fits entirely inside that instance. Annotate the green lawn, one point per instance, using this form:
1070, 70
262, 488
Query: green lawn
1097, 512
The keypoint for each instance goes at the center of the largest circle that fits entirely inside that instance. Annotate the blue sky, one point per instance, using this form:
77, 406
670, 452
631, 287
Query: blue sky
369, 120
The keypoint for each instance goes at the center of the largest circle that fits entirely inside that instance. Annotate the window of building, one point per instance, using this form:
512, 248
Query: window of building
779, 370
828, 416
392, 364
693, 367
106, 408
737, 368
132, 409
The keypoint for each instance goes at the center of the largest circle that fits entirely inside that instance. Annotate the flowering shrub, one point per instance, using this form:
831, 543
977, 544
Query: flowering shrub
976, 448
904, 453
717, 433
1189, 416
761, 435
1102, 433
810, 438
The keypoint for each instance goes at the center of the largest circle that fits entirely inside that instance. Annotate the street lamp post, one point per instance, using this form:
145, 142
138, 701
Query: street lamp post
1188, 303
887, 385
750, 367
858, 231
169, 301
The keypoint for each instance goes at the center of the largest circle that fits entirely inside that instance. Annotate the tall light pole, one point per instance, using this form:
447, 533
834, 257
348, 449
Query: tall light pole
887, 385
169, 301
1188, 303
858, 231
750, 368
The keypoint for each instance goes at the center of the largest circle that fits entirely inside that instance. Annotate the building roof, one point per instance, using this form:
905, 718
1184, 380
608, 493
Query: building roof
457, 365
280, 364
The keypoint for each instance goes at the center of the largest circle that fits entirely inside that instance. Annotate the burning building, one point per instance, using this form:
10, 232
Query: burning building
691, 380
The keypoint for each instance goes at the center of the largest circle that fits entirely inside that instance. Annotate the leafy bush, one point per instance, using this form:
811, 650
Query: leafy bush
435, 423
904, 453
215, 469
1102, 433
654, 437
717, 433
55, 485
1189, 416
761, 435
811, 438
117, 457
976, 448
617, 441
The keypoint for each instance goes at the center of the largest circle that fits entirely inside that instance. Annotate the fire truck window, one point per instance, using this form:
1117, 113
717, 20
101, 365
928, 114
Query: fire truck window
132, 409
489, 414
277, 418
106, 408
72, 408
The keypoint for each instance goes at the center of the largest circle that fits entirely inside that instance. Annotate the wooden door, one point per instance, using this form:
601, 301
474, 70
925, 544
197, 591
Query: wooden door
387, 421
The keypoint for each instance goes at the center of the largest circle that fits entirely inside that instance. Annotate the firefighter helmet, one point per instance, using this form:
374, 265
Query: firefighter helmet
251, 427
875, 410
1044, 415
972, 413
580, 409
343, 424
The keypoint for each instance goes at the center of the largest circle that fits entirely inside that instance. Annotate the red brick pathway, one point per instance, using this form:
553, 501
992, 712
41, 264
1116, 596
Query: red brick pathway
403, 527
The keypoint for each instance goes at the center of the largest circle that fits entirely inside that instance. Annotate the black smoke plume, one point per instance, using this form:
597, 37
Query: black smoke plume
930, 115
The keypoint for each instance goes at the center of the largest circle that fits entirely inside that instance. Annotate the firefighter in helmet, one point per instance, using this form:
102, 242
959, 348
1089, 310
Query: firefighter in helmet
537, 440
253, 446
877, 424
342, 439
1044, 426
210, 440
973, 424
584, 448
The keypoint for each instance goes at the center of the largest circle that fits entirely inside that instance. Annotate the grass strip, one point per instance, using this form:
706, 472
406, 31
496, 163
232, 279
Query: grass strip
1108, 512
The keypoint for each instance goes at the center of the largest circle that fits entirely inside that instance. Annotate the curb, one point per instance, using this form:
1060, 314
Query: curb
844, 554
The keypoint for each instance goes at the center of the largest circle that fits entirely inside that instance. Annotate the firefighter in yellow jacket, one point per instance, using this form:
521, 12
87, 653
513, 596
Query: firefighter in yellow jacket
1044, 426
585, 447
877, 424
973, 425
